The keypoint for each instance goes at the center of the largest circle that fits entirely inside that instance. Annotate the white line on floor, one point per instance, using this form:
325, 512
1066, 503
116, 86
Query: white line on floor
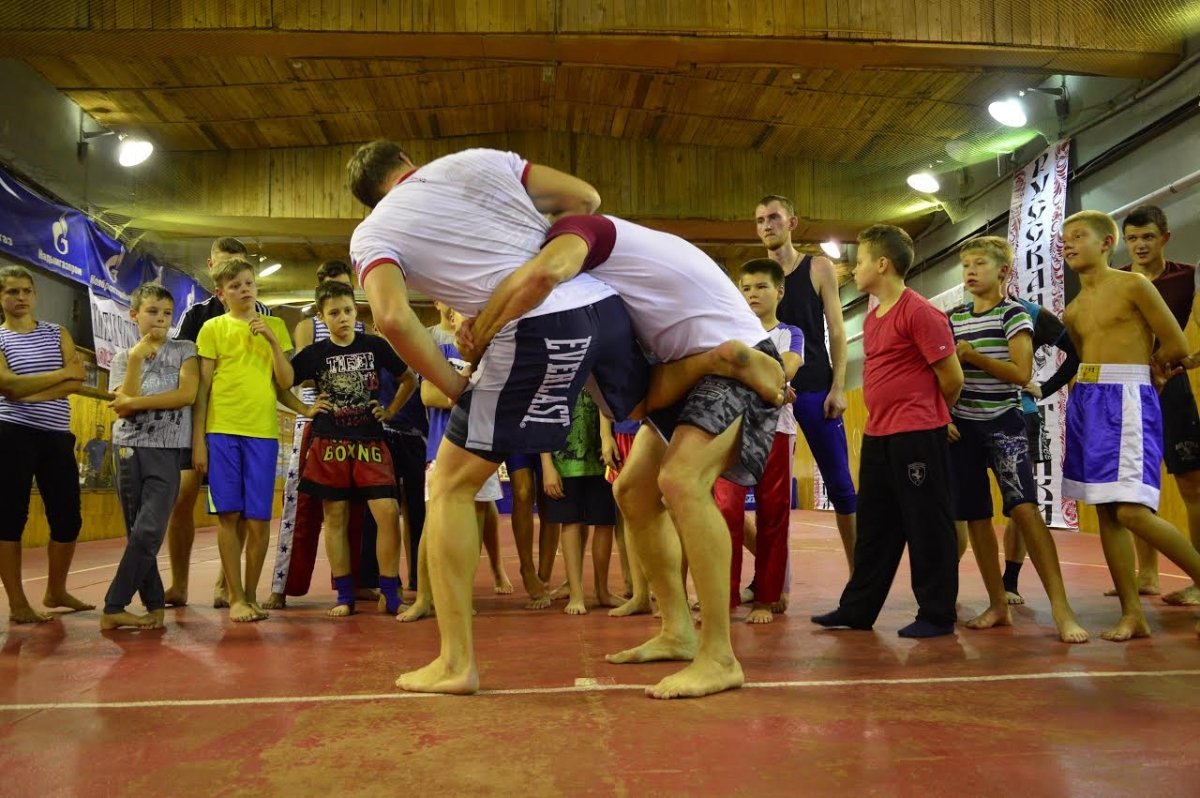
591, 688
160, 557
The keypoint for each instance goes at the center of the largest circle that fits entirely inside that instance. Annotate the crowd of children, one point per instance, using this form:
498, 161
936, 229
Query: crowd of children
950, 397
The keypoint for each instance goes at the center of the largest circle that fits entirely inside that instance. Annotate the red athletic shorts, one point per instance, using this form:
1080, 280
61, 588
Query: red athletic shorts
624, 443
341, 469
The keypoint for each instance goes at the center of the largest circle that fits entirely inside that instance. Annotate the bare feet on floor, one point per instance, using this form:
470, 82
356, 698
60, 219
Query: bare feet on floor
65, 601
1069, 630
437, 677
635, 606
259, 611
758, 370
176, 596
1147, 586
575, 607
562, 591
992, 616
658, 648
761, 613
1014, 599
534, 586
365, 594
220, 598
275, 601
419, 609
117, 620
703, 677
782, 604
501, 584
156, 619
340, 611
1127, 629
242, 612
28, 614
538, 602
1188, 597
607, 599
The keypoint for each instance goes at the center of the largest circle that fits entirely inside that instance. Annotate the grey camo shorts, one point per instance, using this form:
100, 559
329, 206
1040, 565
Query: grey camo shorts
714, 405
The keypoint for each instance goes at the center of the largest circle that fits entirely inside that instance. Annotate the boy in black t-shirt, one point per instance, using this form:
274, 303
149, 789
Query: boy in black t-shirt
348, 458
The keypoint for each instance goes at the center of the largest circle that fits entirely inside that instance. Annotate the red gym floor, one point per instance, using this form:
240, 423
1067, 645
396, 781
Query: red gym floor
305, 705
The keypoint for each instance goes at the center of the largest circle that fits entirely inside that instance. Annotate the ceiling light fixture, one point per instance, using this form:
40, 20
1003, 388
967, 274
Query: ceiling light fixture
832, 249
269, 270
133, 151
1009, 112
923, 182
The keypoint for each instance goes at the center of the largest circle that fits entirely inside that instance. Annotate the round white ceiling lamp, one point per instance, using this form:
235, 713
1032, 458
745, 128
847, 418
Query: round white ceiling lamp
924, 182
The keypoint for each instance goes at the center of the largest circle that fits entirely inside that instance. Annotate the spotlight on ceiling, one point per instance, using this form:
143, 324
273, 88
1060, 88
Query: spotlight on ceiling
269, 270
132, 151
1008, 112
923, 182
832, 249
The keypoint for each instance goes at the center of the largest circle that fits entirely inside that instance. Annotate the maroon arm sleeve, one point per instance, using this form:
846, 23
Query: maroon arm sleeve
598, 232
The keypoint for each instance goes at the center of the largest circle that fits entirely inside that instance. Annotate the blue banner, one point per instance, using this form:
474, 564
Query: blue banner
65, 242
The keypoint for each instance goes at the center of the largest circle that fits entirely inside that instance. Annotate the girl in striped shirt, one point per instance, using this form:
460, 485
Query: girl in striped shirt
38, 370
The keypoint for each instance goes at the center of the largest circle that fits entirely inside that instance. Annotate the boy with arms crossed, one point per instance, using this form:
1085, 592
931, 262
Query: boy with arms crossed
1114, 420
235, 430
156, 380
348, 458
995, 346
910, 380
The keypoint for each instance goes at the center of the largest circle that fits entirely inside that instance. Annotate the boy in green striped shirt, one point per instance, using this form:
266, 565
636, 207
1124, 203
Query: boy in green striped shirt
995, 345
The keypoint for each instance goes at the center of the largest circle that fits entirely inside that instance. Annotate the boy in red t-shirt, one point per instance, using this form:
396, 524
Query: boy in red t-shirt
910, 380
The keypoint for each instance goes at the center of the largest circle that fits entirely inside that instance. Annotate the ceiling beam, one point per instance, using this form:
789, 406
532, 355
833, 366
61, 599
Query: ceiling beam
170, 226
644, 51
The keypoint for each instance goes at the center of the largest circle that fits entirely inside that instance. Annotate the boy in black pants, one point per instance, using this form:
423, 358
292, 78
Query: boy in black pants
157, 379
910, 380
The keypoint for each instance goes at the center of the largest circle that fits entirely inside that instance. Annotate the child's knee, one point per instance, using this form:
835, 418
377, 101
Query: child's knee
1130, 515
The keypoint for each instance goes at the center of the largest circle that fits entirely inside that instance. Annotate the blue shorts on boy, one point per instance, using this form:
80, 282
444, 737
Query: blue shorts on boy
1114, 437
241, 475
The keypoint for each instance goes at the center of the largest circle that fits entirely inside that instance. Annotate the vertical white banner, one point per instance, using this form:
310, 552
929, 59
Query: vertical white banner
112, 328
1039, 202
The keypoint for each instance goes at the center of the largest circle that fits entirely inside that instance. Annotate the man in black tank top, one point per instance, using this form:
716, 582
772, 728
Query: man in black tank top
812, 303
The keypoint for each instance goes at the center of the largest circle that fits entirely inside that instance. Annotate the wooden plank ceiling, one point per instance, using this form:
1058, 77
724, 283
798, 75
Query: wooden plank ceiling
682, 112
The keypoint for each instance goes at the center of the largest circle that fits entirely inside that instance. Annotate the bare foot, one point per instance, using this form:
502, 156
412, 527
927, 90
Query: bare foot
758, 370
437, 677
992, 616
365, 594
575, 607
241, 612
538, 602
65, 601
760, 614
220, 598
635, 606
176, 596
782, 604
1126, 629
156, 619
275, 601
28, 614
703, 677
1143, 590
259, 611
1069, 630
501, 584
658, 648
1188, 597
419, 609
115, 620
534, 586
610, 600
1014, 598
340, 611
562, 591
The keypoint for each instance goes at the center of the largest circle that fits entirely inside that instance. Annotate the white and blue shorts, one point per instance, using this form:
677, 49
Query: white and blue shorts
1114, 437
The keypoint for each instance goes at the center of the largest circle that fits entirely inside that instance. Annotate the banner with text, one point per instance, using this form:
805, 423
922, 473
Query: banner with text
1039, 202
65, 242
